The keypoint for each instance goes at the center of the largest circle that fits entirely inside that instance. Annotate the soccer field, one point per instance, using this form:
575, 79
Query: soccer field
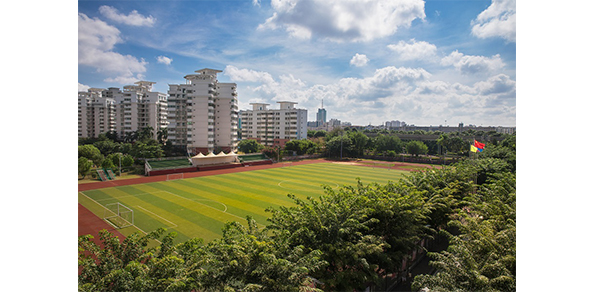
199, 207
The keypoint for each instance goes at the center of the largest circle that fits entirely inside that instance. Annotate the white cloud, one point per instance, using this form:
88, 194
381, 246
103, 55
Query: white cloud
498, 20
164, 60
467, 64
343, 20
134, 18
414, 50
96, 40
359, 60
399, 92
82, 87
247, 75
256, 3
498, 84
126, 79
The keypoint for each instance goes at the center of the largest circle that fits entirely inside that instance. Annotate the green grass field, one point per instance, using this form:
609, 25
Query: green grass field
199, 207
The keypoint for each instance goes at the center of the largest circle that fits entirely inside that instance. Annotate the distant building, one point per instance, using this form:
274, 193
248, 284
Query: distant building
203, 113
274, 127
395, 125
137, 107
96, 114
134, 108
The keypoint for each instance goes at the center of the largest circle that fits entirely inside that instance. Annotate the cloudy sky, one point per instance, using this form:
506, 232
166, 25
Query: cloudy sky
371, 61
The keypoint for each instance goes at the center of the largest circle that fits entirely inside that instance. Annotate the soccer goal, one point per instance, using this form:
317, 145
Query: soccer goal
173, 176
118, 215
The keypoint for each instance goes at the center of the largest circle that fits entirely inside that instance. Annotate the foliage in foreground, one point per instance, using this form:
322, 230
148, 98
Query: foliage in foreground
482, 257
244, 259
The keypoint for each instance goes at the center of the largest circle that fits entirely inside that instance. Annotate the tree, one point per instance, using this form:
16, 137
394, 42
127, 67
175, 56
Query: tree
84, 166
416, 148
88, 151
482, 257
387, 142
243, 259
360, 230
249, 146
359, 141
146, 149
145, 133
107, 163
340, 146
91, 152
107, 146
162, 136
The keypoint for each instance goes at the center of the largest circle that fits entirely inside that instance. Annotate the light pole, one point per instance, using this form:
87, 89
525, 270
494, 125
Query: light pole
120, 160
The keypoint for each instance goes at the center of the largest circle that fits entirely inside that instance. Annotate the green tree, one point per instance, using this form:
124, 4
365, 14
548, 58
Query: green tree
360, 230
106, 146
249, 146
340, 146
162, 136
386, 143
146, 149
243, 259
88, 151
415, 148
359, 142
145, 133
84, 166
482, 257
107, 163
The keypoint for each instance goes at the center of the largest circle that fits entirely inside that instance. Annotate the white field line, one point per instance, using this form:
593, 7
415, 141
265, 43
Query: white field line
207, 205
151, 212
111, 211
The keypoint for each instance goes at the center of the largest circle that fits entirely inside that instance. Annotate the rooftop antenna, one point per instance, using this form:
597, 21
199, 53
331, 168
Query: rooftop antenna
322, 103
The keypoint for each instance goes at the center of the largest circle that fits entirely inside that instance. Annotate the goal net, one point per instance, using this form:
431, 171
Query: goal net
173, 176
118, 215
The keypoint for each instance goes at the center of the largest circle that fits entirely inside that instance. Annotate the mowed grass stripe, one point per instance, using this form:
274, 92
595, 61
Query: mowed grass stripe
339, 176
263, 190
329, 177
236, 210
250, 203
283, 192
187, 220
349, 172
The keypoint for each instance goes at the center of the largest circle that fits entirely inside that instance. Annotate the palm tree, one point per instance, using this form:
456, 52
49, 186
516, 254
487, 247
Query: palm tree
145, 133
162, 136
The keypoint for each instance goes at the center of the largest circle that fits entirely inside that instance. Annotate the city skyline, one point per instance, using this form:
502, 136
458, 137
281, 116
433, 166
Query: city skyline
371, 61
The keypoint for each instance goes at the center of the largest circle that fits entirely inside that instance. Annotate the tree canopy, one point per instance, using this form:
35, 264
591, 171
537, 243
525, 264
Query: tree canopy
249, 146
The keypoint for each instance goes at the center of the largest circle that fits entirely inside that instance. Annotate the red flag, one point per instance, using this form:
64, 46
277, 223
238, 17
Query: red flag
479, 144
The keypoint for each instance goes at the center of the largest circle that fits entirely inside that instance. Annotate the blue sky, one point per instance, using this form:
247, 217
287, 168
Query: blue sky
422, 62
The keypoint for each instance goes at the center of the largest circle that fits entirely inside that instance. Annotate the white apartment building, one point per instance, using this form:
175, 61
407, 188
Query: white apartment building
137, 107
274, 127
96, 113
102, 110
202, 113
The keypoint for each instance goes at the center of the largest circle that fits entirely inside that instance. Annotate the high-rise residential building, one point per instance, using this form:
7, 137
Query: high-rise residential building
96, 113
137, 107
203, 113
274, 127
134, 108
